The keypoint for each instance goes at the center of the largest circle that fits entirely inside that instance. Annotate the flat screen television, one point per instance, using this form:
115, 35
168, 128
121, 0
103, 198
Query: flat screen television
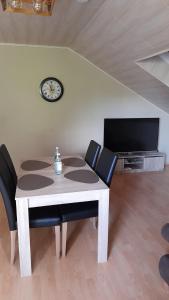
131, 135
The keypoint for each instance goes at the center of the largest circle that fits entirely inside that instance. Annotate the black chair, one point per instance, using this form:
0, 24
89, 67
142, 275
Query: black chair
7, 158
77, 211
164, 260
165, 232
164, 268
92, 154
38, 217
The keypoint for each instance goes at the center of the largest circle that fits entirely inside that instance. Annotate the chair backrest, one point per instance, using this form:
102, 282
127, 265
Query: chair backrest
106, 165
7, 158
8, 189
92, 153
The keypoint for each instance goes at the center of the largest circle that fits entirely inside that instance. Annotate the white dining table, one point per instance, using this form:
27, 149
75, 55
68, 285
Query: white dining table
61, 191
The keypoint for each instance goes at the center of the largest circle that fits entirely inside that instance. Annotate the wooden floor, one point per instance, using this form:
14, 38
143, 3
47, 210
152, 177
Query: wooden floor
139, 208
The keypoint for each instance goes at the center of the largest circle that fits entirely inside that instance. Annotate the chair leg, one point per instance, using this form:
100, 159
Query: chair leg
64, 238
57, 241
13, 244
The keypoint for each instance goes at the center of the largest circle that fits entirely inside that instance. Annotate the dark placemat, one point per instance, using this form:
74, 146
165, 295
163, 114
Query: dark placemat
73, 162
33, 165
84, 176
34, 182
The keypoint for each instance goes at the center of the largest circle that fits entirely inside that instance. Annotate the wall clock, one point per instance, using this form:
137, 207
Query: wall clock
51, 89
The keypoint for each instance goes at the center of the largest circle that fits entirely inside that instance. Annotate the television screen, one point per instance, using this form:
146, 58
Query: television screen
129, 135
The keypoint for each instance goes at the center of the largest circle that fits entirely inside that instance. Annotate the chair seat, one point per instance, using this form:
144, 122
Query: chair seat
44, 216
78, 211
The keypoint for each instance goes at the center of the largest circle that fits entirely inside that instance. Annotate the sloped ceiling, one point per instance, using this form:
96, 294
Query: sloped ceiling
112, 34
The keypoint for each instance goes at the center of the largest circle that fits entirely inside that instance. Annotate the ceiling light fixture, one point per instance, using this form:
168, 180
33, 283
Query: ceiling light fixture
29, 7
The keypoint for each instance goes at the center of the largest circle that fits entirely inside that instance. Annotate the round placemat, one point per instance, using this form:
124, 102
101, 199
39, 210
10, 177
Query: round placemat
73, 162
84, 176
34, 182
33, 165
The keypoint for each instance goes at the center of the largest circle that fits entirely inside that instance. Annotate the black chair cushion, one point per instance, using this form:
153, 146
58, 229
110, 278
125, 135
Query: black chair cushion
44, 216
78, 211
92, 153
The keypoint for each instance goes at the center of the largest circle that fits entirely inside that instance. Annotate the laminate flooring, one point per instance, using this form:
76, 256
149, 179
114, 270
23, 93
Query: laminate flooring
139, 206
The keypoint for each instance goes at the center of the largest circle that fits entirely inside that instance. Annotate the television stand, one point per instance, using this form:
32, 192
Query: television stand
140, 161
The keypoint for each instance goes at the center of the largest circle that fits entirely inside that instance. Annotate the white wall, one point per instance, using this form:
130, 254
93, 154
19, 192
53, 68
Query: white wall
30, 126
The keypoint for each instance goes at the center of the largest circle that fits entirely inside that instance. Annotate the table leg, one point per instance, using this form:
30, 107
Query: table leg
23, 237
103, 226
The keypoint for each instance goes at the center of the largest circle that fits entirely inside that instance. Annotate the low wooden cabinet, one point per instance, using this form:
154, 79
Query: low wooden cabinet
143, 162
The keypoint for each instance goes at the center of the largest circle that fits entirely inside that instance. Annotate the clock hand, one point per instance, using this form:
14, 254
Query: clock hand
51, 88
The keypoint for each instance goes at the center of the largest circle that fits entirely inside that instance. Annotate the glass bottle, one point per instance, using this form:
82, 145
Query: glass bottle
57, 162
56, 153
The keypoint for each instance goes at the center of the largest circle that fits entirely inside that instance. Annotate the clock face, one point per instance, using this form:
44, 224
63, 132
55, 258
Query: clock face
51, 89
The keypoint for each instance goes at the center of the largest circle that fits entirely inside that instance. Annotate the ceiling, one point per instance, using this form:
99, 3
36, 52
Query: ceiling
113, 34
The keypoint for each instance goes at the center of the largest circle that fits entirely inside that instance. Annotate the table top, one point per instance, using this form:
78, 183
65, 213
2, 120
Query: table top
40, 172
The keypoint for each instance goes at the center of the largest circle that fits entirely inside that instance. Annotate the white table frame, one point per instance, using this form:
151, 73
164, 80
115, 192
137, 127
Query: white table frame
51, 196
